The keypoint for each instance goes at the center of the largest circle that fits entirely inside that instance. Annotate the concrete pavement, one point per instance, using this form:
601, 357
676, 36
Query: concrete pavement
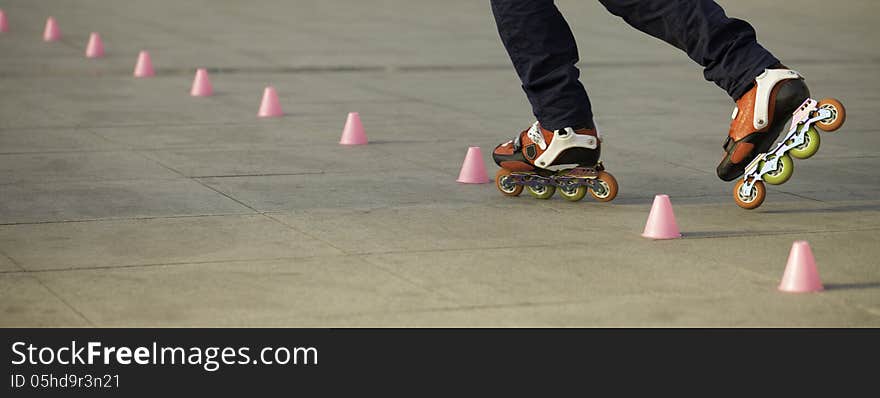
126, 202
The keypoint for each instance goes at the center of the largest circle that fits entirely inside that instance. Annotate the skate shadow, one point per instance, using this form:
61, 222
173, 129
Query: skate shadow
723, 234
849, 286
838, 209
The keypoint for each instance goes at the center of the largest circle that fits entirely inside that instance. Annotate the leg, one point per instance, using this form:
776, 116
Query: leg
726, 47
564, 143
765, 91
564, 139
544, 53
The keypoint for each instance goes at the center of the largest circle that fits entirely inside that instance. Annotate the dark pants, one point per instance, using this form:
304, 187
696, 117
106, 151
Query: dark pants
544, 52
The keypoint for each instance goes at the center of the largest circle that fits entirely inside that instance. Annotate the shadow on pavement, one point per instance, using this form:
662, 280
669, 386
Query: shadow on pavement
732, 234
845, 286
839, 209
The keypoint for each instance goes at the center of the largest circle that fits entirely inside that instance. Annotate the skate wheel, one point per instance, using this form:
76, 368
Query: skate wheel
505, 183
573, 193
750, 200
809, 147
784, 171
838, 114
541, 191
607, 187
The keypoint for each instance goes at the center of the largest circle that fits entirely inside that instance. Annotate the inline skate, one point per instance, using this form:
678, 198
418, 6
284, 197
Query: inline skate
543, 161
759, 118
801, 142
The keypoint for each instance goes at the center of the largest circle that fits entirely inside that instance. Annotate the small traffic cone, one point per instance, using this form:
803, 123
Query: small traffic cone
353, 132
95, 48
801, 275
270, 107
52, 32
201, 86
661, 221
4, 25
144, 66
473, 170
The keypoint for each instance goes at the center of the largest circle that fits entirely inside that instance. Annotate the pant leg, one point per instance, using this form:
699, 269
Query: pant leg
726, 47
543, 50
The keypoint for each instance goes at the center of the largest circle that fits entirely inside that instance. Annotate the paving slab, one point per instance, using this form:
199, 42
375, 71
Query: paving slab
641, 311
431, 228
630, 265
45, 140
116, 101
290, 160
844, 259
25, 302
447, 227
119, 243
80, 166
348, 191
89, 200
6, 264
201, 136
301, 291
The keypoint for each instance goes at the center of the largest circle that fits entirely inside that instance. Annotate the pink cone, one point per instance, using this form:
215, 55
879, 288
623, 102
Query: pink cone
144, 66
95, 48
4, 25
801, 275
270, 107
52, 32
661, 221
201, 86
473, 170
353, 132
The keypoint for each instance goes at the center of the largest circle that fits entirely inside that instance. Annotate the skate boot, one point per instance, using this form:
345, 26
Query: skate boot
540, 161
759, 118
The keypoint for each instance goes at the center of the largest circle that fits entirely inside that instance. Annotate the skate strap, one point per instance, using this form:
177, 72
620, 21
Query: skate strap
534, 133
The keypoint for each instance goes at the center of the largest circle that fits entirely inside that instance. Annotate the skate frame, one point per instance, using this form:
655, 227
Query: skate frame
578, 176
800, 123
